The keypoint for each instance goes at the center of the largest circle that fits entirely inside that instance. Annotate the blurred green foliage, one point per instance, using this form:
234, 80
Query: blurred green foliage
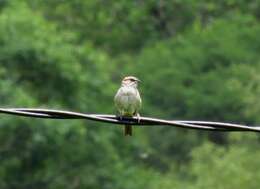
198, 60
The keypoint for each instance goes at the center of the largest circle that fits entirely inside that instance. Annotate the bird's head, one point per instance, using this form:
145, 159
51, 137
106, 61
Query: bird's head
130, 81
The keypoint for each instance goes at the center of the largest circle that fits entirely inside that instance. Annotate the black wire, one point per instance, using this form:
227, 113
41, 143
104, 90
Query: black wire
58, 114
143, 121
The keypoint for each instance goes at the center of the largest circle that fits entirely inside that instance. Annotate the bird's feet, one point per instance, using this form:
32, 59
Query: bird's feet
120, 117
138, 118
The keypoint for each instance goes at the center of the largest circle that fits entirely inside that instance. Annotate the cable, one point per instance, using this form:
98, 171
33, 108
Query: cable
142, 121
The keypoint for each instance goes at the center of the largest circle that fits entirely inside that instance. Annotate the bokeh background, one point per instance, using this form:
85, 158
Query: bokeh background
198, 60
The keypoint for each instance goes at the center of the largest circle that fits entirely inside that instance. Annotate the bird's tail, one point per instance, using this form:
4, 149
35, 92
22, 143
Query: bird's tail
128, 130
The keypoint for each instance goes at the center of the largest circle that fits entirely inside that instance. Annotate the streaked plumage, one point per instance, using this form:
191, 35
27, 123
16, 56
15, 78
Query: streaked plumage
128, 100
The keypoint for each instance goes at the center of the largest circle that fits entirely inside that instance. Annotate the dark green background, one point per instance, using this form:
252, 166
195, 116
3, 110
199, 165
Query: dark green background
198, 60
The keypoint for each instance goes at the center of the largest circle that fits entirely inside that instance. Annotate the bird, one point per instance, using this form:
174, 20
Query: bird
128, 101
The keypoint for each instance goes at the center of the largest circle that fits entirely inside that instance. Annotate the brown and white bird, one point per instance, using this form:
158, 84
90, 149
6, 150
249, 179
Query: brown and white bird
128, 100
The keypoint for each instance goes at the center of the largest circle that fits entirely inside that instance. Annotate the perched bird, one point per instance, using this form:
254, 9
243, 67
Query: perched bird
128, 100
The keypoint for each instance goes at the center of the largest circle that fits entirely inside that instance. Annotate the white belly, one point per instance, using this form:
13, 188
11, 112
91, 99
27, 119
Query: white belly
127, 100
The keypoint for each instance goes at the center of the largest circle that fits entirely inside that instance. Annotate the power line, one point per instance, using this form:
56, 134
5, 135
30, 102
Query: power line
142, 121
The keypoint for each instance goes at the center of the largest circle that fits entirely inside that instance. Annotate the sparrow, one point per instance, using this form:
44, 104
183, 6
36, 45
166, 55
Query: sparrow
128, 101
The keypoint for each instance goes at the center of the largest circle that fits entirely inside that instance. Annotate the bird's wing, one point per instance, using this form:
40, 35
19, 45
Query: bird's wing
117, 99
139, 101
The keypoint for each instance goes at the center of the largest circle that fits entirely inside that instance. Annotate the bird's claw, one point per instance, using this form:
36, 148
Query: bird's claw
120, 117
138, 118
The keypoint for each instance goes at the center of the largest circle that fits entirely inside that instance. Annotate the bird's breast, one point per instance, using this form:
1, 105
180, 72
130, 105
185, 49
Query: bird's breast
128, 100
128, 91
